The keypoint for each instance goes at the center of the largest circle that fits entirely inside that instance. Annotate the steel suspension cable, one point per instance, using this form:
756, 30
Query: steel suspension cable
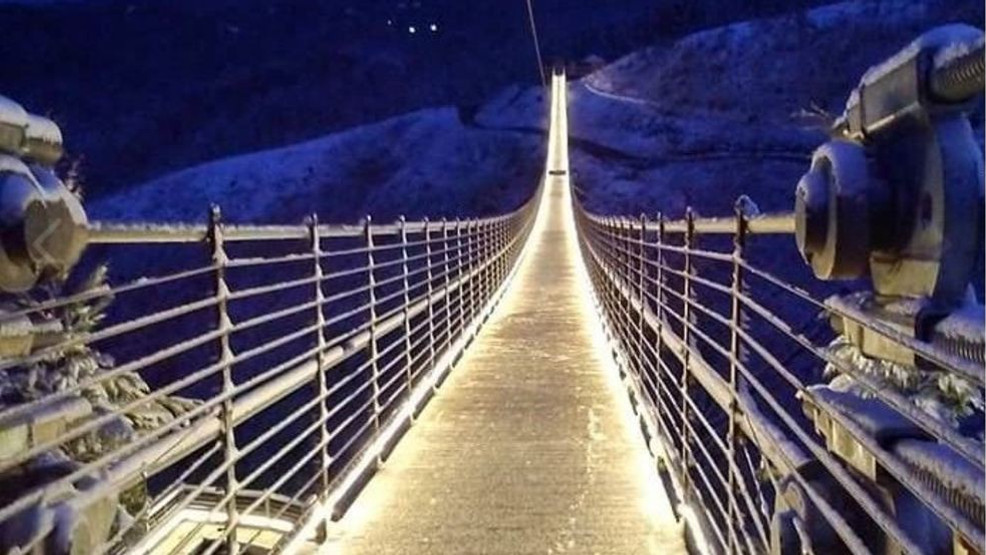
537, 45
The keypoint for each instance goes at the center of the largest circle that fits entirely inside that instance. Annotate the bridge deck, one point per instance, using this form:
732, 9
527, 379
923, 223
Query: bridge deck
528, 447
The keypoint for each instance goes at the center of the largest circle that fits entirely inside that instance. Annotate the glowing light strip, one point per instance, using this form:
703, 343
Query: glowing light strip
443, 365
151, 542
605, 342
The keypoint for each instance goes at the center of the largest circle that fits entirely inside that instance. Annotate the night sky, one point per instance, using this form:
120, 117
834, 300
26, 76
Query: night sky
144, 88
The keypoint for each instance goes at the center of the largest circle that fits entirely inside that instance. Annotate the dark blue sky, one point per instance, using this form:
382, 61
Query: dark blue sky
145, 87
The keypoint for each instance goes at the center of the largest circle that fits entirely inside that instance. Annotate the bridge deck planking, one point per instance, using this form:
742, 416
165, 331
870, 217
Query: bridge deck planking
529, 446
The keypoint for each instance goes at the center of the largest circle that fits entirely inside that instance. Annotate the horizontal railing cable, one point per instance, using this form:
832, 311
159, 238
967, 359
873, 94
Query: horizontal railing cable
645, 287
371, 312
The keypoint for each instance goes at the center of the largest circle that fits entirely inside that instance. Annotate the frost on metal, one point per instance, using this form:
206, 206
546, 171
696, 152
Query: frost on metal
12, 113
964, 323
945, 397
62, 371
43, 129
10, 164
955, 50
955, 472
948, 42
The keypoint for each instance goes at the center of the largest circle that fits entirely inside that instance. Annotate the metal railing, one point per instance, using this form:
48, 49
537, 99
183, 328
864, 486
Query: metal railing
297, 355
726, 359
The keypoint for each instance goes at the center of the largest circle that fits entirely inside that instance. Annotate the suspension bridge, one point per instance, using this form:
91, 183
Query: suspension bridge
549, 380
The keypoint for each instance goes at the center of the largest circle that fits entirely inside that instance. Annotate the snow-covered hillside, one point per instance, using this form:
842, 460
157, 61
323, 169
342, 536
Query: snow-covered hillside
426, 163
731, 110
719, 113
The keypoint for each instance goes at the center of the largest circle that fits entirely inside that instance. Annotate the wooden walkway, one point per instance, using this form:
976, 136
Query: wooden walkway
529, 447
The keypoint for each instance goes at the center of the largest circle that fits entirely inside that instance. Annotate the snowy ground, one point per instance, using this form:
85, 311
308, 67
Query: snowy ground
699, 121
425, 163
725, 110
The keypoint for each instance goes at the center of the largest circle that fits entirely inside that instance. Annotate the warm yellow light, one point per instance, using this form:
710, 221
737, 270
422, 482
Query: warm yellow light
699, 542
554, 194
653, 502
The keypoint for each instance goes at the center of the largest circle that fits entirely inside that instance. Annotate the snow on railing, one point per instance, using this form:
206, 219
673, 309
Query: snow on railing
729, 364
242, 400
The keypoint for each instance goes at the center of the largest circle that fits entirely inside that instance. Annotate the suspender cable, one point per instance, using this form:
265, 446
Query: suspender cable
537, 47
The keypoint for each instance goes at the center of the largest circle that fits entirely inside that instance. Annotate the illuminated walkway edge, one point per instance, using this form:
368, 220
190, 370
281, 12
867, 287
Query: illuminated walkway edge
530, 446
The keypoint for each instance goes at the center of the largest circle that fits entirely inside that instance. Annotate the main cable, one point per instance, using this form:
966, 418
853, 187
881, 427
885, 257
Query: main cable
537, 46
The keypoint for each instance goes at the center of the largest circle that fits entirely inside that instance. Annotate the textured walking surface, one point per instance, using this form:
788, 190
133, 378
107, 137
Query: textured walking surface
528, 447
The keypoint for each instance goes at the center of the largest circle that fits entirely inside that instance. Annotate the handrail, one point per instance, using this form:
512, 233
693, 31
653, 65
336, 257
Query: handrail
116, 233
717, 370
765, 224
355, 333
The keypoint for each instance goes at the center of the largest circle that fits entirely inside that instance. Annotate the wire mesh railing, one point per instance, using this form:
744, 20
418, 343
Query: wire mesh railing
240, 401
775, 437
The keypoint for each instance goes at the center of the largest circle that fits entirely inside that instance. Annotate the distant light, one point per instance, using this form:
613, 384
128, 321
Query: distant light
412, 30
390, 22
433, 27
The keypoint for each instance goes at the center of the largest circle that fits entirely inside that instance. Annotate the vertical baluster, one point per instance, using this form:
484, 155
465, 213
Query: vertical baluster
610, 260
476, 243
430, 276
621, 282
480, 268
736, 320
494, 248
472, 243
687, 341
497, 253
486, 260
505, 262
627, 272
371, 284
614, 271
402, 223
460, 264
495, 256
606, 264
659, 310
508, 236
642, 298
617, 231
321, 385
225, 326
629, 286
448, 280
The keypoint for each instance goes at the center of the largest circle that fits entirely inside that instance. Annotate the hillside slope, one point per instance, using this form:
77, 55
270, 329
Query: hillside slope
426, 163
725, 111
697, 122
142, 88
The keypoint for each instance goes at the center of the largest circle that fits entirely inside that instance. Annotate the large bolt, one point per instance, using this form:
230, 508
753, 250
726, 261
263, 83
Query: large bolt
832, 226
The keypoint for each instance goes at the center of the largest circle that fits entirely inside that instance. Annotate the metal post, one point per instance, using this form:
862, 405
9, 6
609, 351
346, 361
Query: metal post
503, 257
490, 260
225, 326
609, 229
408, 375
472, 242
448, 279
641, 296
739, 241
460, 258
627, 272
486, 262
475, 249
686, 340
613, 308
430, 291
659, 310
322, 388
480, 259
373, 348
